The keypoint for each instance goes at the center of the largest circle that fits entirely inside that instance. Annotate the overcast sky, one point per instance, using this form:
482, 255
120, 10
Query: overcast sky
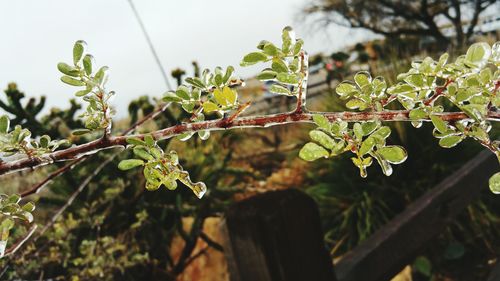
37, 34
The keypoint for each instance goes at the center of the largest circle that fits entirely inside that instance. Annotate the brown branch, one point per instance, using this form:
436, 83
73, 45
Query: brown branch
40, 185
264, 121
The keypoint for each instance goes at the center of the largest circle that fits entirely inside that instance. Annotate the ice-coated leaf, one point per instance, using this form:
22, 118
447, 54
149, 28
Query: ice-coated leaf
439, 123
67, 69
279, 65
72, 81
450, 141
322, 138
417, 113
393, 154
312, 151
266, 75
478, 53
495, 183
367, 146
346, 89
129, 164
87, 64
279, 89
321, 121
253, 58
288, 78
171, 97
4, 124
78, 49
209, 107
183, 92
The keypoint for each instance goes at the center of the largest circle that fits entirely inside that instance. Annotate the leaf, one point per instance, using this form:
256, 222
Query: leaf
346, 89
393, 154
209, 107
279, 89
185, 136
100, 76
322, 138
270, 49
288, 37
439, 123
226, 97
196, 82
149, 140
417, 114
495, 183
13, 199
171, 97
135, 141
129, 164
362, 79
415, 80
253, 58
29, 207
87, 64
67, 69
358, 131
183, 92
423, 265
367, 146
298, 46
478, 53
79, 132
266, 75
204, 135
355, 103
229, 73
454, 250
321, 121
369, 127
44, 141
288, 78
312, 151
4, 124
78, 49
450, 141
143, 153
279, 65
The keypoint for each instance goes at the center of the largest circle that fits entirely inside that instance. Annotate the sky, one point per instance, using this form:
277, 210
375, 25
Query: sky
37, 34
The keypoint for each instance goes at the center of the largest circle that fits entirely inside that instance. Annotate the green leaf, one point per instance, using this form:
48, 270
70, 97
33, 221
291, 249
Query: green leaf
229, 73
129, 164
495, 183
87, 64
288, 78
415, 80
209, 107
450, 141
266, 75
423, 265
183, 92
78, 49
135, 141
367, 146
270, 49
478, 53
358, 131
312, 151
321, 121
196, 82
279, 65
369, 127
253, 58
226, 97
149, 140
346, 89
393, 154
79, 132
67, 69
4, 124
298, 46
143, 153
417, 114
288, 37
439, 123
171, 97
279, 89
362, 79
82, 93
44, 141
29, 207
356, 103
322, 138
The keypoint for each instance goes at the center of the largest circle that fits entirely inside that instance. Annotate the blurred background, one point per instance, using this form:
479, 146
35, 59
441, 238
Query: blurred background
112, 229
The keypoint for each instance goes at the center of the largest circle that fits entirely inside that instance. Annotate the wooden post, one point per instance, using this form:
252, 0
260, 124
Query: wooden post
276, 236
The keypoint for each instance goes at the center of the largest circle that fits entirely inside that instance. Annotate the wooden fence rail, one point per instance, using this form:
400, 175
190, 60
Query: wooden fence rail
277, 236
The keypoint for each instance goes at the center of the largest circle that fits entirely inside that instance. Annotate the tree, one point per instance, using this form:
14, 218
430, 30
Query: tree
394, 18
467, 86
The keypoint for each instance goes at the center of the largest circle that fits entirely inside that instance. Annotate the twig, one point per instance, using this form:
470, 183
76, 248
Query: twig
264, 121
40, 185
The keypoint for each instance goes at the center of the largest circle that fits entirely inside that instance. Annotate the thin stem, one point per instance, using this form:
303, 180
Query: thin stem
264, 121
40, 185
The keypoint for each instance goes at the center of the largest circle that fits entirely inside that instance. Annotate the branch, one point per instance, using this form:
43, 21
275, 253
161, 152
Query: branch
264, 121
40, 185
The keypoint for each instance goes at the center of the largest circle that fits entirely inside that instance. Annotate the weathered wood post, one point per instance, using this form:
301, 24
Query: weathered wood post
276, 236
